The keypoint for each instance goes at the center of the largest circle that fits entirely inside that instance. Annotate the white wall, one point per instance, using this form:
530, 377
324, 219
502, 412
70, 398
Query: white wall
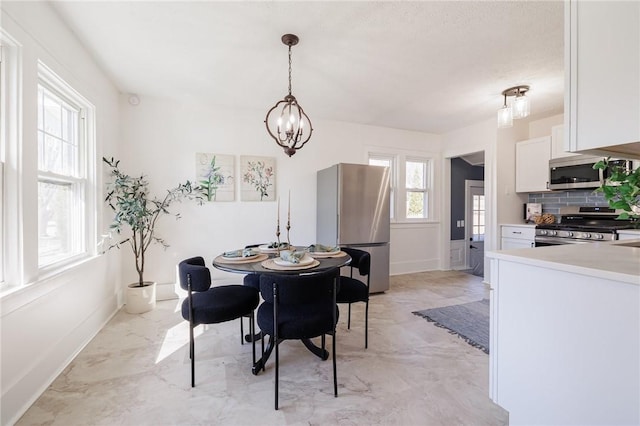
505, 205
475, 138
161, 138
45, 323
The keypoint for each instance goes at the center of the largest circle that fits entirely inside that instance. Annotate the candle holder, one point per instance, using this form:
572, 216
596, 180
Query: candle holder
288, 227
278, 237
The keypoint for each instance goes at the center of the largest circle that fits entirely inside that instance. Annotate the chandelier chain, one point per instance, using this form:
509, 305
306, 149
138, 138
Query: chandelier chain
289, 69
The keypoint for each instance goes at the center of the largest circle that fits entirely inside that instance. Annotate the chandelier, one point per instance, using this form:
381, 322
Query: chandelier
520, 107
286, 122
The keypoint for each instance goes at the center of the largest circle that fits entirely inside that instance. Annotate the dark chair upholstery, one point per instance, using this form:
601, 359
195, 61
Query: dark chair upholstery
303, 307
207, 305
353, 290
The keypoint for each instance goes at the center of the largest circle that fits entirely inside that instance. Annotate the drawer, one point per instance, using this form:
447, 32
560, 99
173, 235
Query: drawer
519, 232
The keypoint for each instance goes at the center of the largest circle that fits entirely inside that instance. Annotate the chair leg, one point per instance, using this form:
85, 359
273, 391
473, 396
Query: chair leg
277, 373
366, 325
242, 330
262, 344
192, 355
349, 318
252, 332
335, 375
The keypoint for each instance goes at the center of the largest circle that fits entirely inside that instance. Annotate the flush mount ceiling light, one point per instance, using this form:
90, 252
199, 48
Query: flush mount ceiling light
519, 108
286, 122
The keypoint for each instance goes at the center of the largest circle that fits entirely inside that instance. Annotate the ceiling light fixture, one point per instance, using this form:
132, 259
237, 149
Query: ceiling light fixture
520, 107
286, 122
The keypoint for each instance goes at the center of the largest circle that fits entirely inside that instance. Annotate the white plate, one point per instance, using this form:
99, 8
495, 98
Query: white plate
266, 249
239, 258
324, 253
306, 260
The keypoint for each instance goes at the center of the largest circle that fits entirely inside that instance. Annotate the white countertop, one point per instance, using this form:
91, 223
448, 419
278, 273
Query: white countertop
609, 260
525, 225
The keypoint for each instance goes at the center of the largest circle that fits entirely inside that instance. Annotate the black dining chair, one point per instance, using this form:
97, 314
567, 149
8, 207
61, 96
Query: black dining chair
211, 305
353, 290
299, 307
253, 281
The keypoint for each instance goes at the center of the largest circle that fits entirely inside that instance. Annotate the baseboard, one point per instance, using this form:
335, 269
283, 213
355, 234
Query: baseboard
409, 267
79, 338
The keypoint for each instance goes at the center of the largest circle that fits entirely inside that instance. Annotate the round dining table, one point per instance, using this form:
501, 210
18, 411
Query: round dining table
263, 264
255, 266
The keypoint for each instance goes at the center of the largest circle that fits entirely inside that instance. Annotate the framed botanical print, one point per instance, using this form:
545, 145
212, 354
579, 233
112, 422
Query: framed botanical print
215, 176
258, 178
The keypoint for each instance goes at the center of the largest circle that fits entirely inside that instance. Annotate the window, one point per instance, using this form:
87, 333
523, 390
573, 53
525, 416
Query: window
409, 202
63, 174
386, 161
477, 227
3, 126
416, 189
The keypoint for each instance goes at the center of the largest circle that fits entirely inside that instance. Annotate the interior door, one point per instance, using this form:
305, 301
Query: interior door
475, 226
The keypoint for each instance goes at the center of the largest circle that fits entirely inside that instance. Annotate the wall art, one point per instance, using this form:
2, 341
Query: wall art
258, 178
216, 176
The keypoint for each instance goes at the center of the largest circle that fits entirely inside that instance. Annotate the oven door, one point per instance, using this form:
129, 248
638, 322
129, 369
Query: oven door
541, 241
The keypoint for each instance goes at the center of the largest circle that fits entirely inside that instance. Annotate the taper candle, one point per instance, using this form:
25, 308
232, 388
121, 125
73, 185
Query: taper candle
278, 218
289, 208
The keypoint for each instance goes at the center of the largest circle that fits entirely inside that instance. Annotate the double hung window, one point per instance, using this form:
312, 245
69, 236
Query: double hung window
409, 202
64, 186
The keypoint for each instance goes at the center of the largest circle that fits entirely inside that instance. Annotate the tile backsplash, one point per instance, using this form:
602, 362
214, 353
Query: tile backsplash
553, 201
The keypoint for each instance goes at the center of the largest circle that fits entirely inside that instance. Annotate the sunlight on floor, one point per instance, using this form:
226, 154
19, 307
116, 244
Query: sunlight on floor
176, 337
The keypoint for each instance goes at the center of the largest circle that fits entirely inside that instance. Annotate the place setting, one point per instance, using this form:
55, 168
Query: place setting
320, 251
247, 255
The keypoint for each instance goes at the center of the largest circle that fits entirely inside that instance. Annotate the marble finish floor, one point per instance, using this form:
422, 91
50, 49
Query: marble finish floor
136, 370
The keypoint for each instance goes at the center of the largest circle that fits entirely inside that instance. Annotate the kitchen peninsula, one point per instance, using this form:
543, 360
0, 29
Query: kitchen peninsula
565, 333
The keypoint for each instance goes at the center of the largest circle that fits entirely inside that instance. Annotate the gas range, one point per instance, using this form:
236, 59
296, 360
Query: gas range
582, 225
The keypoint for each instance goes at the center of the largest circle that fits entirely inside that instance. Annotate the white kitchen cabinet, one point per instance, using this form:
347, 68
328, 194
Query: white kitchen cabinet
602, 65
557, 143
517, 236
532, 164
565, 337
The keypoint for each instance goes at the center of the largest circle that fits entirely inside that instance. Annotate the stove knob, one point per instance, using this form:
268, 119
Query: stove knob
587, 236
554, 232
543, 232
570, 234
598, 236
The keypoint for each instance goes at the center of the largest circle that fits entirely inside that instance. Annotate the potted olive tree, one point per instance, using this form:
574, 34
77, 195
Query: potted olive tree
621, 189
135, 220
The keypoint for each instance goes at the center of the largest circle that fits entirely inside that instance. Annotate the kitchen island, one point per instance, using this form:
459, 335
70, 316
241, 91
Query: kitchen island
565, 333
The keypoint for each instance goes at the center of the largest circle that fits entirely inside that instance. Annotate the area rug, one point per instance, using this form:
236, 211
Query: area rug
470, 321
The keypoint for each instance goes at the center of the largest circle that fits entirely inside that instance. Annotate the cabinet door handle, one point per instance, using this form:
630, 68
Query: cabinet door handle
547, 185
516, 232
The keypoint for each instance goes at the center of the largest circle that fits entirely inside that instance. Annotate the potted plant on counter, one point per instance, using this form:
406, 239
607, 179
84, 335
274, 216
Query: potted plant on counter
136, 217
621, 189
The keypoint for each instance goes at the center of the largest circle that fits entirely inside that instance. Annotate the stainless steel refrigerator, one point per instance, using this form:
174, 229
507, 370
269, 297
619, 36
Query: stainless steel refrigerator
353, 211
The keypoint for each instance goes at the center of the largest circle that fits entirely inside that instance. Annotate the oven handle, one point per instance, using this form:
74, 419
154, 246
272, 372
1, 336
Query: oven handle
558, 241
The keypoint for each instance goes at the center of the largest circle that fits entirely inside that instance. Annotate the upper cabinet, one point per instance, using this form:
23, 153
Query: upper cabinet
602, 80
532, 165
557, 143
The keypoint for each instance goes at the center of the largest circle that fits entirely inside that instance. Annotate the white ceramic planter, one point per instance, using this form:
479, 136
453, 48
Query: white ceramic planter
141, 299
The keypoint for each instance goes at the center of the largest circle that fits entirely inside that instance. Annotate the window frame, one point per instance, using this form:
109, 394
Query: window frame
426, 163
392, 179
82, 181
398, 174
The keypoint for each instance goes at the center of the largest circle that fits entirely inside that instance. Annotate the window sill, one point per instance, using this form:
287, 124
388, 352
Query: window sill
417, 222
13, 297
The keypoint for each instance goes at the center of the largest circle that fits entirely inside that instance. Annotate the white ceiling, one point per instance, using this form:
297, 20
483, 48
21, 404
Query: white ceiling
430, 66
